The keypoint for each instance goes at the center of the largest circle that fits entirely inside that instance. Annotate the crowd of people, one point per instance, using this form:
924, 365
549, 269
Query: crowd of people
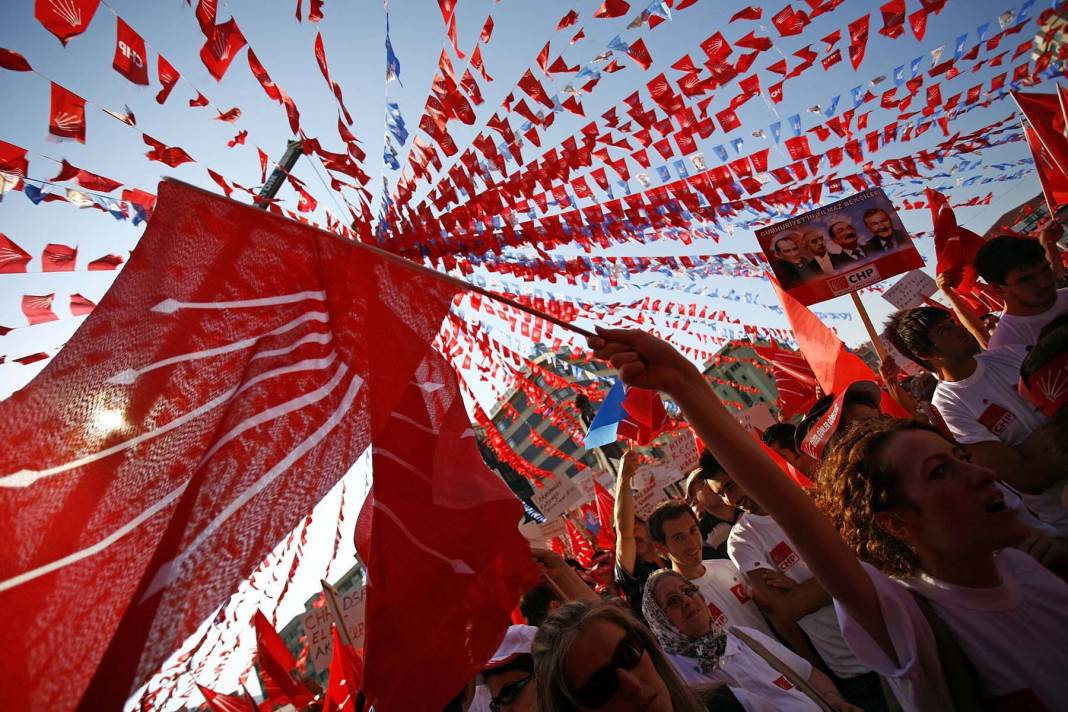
925, 569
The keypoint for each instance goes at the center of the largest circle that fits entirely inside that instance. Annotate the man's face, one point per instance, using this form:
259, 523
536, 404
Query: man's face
682, 540
951, 341
507, 682
643, 546
787, 454
815, 244
1030, 287
786, 248
732, 494
879, 224
844, 235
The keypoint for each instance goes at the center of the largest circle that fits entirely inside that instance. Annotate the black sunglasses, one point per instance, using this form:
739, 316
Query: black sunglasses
509, 693
604, 684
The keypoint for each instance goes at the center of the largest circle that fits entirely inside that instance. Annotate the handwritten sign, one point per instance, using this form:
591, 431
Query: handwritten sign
647, 497
682, 452
558, 496
911, 290
317, 621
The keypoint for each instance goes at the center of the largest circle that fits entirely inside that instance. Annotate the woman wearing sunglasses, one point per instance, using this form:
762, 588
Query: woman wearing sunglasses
598, 656
704, 654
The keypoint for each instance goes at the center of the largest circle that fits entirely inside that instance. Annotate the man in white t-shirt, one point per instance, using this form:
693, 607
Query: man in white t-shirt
978, 400
1020, 271
790, 595
676, 535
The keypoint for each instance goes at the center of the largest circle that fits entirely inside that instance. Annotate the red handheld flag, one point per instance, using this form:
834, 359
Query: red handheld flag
346, 677
131, 60
65, 18
606, 504
219, 702
581, 549
67, 116
277, 665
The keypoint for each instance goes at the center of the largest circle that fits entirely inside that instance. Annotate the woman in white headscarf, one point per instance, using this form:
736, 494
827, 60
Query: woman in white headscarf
763, 675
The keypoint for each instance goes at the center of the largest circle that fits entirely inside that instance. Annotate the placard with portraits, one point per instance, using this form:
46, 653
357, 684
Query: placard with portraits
839, 248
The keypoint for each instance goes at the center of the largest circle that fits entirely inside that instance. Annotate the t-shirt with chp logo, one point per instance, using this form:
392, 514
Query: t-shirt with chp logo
757, 542
727, 596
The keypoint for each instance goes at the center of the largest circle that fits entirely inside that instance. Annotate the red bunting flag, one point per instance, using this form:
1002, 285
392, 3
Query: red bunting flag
65, 18
567, 21
107, 262
748, 13
221, 46
131, 59
640, 54
13, 258
172, 156
487, 30
205, 14
612, 8
788, 22
168, 77
80, 306
13, 159
67, 116
38, 309
58, 258
606, 535
276, 665
534, 89
13, 61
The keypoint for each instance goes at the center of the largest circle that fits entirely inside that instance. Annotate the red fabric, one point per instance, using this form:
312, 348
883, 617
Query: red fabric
172, 156
646, 416
12, 257
80, 306
38, 309
792, 472
276, 666
955, 247
220, 48
612, 8
834, 366
58, 258
67, 116
106, 262
346, 676
265, 408
13, 159
1053, 180
640, 54
437, 520
65, 19
606, 504
581, 549
794, 380
168, 77
219, 702
13, 61
748, 13
131, 59
1043, 112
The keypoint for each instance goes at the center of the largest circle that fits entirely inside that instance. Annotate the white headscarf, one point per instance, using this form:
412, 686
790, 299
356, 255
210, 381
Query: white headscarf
706, 650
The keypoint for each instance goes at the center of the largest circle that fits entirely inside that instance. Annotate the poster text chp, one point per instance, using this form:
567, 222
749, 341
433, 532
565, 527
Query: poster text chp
839, 248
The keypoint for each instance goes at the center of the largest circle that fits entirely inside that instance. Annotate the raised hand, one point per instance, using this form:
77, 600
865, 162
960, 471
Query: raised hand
643, 360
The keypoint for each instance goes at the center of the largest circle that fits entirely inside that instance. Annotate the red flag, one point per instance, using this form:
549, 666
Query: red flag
131, 59
220, 48
640, 54
58, 258
105, 263
606, 504
612, 8
218, 702
80, 306
189, 425
276, 666
567, 20
345, 678
13, 61
67, 116
205, 14
788, 22
38, 309
748, 13
173, 156
12, 257
66, 18
834, 366
1043, 112
425, 526
646, 415
581, 549
98, 183
13, 159
487, 30
792, 472
1053, 180
534, 89
794, 380
955, 250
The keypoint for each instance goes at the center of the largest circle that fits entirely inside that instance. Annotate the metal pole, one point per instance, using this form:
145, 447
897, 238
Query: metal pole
294, 150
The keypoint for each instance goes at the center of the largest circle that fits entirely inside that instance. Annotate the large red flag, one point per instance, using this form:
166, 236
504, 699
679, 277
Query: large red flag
276, 666
235, 370
67, 116
1043, 112
794, 379
1053, 180
346, 676
834, 366
445, 561
131, 59
65, 18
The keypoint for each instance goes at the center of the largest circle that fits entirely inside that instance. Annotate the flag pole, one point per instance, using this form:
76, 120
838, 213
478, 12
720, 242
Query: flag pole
876, 342
335, 612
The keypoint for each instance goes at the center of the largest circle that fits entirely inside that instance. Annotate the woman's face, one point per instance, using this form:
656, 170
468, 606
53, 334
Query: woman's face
640, 688
951, 506
683, 605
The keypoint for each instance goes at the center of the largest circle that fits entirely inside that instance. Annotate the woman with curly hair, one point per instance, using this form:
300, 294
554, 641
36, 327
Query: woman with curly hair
932, 530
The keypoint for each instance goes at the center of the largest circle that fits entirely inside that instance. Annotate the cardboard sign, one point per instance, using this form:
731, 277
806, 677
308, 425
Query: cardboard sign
558, 496
647, 497
839, 248
756, 419
316, 624
682, 452
541, 535
911, 290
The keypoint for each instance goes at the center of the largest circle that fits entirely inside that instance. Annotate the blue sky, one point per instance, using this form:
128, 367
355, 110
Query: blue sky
354, 34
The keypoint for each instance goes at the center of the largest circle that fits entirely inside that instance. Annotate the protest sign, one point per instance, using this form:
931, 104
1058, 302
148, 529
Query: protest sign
839, 248
351, 607
911, 290
558, 496
681, 452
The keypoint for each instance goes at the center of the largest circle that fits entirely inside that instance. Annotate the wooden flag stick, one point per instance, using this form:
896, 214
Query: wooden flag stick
335, 612
876, 342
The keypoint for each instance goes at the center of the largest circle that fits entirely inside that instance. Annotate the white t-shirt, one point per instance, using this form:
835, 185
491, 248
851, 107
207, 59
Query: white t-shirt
1023, 330
986, 407
728, 597
757, 685
756, 542
1015, 635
